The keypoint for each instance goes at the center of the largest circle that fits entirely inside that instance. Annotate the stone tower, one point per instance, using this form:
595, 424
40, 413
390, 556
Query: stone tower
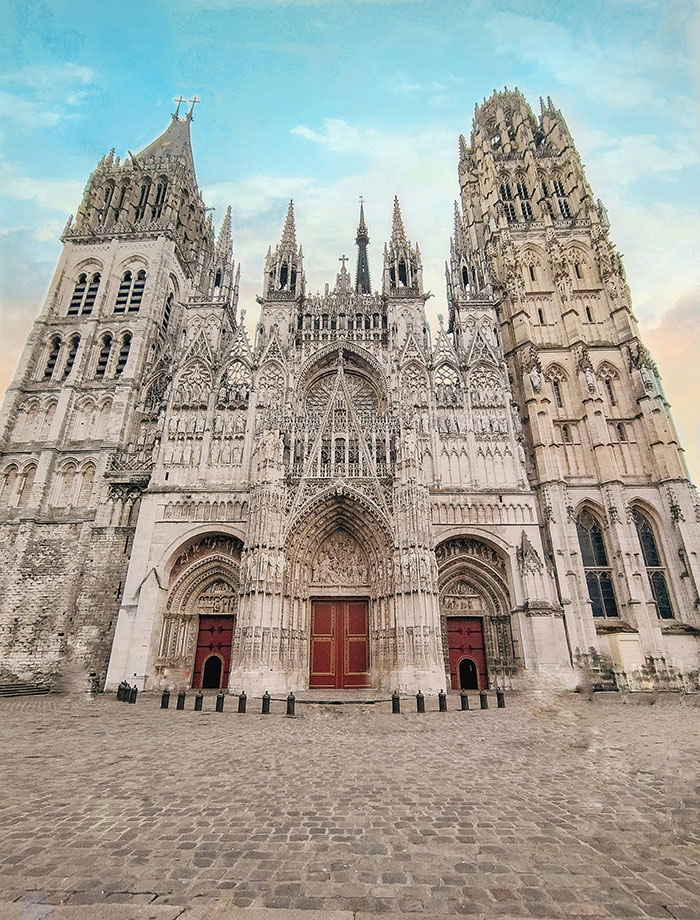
82, 420
347, 502
616, 506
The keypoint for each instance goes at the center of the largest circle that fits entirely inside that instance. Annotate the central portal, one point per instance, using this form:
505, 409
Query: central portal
339, 644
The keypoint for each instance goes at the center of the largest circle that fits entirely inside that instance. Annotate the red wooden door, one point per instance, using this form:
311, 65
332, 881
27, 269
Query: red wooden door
339, 644
214, 638
465, 639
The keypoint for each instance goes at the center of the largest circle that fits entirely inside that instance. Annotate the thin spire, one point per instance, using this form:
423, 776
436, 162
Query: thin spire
362, 282
224, 242
398, 234
289, 234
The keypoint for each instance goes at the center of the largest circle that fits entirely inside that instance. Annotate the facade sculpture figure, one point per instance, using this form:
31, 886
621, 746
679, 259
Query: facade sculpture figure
436, 511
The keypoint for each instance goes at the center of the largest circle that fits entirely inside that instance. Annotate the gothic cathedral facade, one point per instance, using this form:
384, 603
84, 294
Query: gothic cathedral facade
351, 500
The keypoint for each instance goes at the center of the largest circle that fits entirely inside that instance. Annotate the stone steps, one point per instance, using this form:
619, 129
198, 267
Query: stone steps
23, 688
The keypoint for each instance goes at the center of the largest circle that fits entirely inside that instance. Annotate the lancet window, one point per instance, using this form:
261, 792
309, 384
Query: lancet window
103, 357
161, 189
656, 571
70, 358
123, 356
54, 348
599, 580
143, 199
130, 293
84, 295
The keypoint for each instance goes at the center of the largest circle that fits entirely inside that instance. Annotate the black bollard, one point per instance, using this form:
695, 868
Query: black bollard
198, 699
395, 702
120, 691
181, 700
484, 700
420, 702
464, 699
220, 701
291, 700
132, 694
442, 701
265, 703
242, 700
501, 699
165, 699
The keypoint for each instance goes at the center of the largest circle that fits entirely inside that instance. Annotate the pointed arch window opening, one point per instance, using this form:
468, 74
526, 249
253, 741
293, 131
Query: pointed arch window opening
656, 570
159, 201
106, 202
556, 386
103, 357
72, 352
610, 390
598, 573
167, 310
119, 207
130, 293
54, 349
143, 200
123, 356
84, 294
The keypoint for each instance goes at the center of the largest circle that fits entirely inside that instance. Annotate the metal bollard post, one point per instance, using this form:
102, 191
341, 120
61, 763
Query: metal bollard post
265, 703
120, 691
181, 700
291, 700
220, 701
484, 699
165, 699
420, 702
464, 699
198, 699
395, 702
242, 700
442, 701
132, 694
501, 699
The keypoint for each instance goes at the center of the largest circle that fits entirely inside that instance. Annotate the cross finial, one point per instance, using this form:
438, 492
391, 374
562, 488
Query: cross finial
343, 259
362, 199
194, 102
179, 102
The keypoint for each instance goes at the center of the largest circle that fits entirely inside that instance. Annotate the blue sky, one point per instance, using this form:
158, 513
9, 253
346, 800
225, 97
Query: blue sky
324, 101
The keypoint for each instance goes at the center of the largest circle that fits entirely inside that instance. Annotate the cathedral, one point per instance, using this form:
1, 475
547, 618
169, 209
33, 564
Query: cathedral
351, 499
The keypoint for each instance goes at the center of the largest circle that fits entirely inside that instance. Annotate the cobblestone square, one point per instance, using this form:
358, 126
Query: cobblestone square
555, 807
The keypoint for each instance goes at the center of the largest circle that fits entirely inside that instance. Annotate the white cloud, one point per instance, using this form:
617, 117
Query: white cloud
42, 95
52, 194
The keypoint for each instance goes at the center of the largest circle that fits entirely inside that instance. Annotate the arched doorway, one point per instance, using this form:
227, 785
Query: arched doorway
468, 675
211, 673
199, 620
475, 614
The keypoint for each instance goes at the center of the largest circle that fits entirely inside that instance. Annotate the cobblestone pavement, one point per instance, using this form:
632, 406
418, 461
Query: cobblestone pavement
555, 807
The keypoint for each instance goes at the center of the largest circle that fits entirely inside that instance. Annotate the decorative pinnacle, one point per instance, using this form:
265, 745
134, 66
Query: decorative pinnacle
398, 234
362, 226
194, 102
224, 241
289, 234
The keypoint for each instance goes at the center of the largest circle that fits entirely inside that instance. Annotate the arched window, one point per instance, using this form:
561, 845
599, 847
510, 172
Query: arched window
507, 199
72, 352
589, 315
284, 275
167, 310
78, 294
545, 197
621, 433
524, 196
217, 279
577, 270
25, 486
64, 486
403, 276
595, 565
7, 486
561, 197
143, 199
91, 294
119, 207
611, 392
130, 293
656, 571
86, 480
54, 348
103, 357
161, 189
566, 434
556, 387
540, 316
123, 356
109, 194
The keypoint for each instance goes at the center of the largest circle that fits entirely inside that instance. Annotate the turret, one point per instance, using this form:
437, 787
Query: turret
283, 267
403, 270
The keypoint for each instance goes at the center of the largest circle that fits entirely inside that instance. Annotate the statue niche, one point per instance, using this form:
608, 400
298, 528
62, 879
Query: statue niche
340, 561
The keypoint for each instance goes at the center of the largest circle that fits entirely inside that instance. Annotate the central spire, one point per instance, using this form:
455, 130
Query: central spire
362, 283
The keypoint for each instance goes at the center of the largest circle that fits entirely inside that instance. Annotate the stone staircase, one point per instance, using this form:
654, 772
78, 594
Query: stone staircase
24, 688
